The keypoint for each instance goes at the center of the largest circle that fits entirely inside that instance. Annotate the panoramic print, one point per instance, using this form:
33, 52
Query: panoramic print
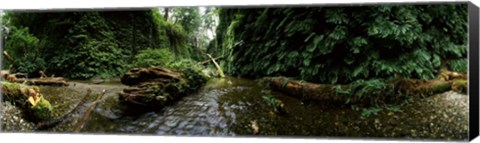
376, 71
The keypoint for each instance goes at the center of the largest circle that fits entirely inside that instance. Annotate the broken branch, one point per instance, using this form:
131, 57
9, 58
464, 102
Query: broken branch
85, 116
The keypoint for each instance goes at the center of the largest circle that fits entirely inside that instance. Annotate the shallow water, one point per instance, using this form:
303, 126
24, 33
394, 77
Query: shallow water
230, 106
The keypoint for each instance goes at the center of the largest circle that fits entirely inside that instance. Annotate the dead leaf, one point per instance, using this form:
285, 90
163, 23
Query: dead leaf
390, 113
32, 101
254, 126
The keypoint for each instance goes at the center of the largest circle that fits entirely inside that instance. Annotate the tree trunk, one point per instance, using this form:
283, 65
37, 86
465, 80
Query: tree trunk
85, 116
52, 123
43, 80
166, 13
219, 69
210, 60
328, 92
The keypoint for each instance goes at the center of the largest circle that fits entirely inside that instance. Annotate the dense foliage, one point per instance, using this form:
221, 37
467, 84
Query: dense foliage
23, 47
188, 18
161, 57
87, 44
153, 57
191, 20
344, 44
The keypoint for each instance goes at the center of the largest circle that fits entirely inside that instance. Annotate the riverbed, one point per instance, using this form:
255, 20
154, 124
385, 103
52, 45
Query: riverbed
235, 107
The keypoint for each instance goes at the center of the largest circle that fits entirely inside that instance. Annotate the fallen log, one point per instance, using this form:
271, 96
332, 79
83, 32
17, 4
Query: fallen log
305, 90
29, 99
43, 80
136, 76
155, 87
395, 89
219, 69
55, 81
85, 116
51, 81
54, 122
208, 61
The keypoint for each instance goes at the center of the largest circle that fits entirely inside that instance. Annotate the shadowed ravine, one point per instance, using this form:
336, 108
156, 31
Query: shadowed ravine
229, 107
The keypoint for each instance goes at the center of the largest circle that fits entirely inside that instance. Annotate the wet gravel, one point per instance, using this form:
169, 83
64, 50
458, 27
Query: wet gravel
439, 117
12, 119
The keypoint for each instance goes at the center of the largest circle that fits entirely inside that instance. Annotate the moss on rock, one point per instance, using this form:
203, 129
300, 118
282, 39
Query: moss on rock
41, 111
19, 95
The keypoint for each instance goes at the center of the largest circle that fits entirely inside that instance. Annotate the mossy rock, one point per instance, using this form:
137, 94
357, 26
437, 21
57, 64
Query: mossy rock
42, 111
18, 95
11, 91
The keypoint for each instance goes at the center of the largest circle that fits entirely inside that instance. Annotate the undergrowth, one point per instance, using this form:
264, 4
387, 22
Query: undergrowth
373, 96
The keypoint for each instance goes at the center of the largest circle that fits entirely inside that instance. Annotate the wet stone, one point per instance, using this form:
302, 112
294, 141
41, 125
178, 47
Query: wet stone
212, 112
190, 114
152, 126
164, 128
182, 124
161, 132
189, 126
201, 129
179, 132
222, 125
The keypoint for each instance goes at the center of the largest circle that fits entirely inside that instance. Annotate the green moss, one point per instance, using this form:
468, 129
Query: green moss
42, 110
439, 88
12, 92
15, 93
463, 83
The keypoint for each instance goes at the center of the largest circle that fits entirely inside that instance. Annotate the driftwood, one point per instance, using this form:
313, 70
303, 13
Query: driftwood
328, 92
51, 81
55, 122
6, 75
85, 116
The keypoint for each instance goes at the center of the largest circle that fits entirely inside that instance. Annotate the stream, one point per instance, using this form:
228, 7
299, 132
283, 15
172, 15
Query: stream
235, 107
